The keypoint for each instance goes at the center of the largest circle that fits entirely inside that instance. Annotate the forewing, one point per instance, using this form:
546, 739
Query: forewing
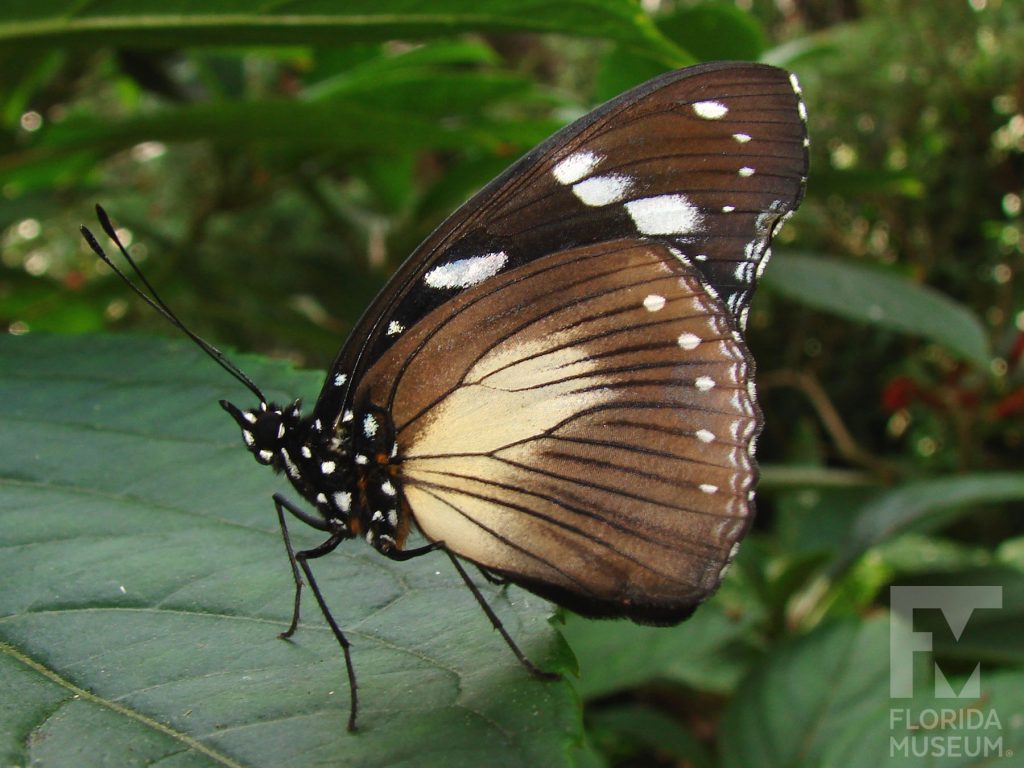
582, 424
707, 159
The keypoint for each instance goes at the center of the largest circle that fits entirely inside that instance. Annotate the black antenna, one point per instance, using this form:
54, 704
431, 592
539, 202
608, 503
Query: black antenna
154, 300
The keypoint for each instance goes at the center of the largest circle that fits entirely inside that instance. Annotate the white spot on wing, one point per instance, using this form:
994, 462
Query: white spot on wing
654, 302
796, 84
575, 167
705, 436
395, 328
466, 272
746, 171
742, 138
708, 488
665, 215
328, 467
704, 383
340, 379
602, 190
688, 340
710, 110
728, 208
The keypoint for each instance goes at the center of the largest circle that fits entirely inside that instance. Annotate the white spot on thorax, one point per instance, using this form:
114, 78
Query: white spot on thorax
654, 302
343, 500
388, 488
575, 167
688, 340
466, 272
293, 470
705, 436
710, 110
602, 190
704, 383
361, 459
306, 452
328, 467
369, 426
321, 498
742, 138
665, 215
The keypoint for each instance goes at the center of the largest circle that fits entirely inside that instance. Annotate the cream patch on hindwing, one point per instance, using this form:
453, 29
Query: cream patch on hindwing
466, 272
602, 190
710, 110
665, 215
575, 167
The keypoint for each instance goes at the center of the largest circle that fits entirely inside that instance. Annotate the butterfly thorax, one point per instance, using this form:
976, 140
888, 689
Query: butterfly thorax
344, 471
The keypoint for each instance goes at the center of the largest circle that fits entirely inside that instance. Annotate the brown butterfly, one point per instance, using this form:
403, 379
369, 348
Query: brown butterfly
554, 386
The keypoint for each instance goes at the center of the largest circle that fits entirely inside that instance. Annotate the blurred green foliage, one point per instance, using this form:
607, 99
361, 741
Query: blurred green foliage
272, 172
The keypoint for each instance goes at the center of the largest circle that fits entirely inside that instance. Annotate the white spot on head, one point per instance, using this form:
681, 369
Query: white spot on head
742, 138
369, 426
340, 379
665, 215
249, 416
395, 328
306, 452
343, 500
710, 110
746, 171
688, 340
280, 430
705, 436
575, 167
466, 272
704, 383
347, 416
654, 302
708, 488
378, 516
602, 190
328, 467
247, 436
266, 455
388, 488
728, 208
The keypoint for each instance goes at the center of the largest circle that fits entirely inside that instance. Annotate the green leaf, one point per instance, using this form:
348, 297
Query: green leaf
623, 729
823, 700
159, 23
145, 584
868, 295
923, 506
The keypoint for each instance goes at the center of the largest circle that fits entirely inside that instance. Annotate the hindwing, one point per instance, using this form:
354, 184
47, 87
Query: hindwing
582, 424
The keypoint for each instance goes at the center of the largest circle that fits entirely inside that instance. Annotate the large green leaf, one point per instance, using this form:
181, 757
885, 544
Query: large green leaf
823, 700
145, 583
922, 506
869, 295
173, 23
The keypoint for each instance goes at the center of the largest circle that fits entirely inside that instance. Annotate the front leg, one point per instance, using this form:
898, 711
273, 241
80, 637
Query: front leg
281, 504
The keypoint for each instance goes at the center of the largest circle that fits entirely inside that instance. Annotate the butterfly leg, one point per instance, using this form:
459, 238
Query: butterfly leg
301, 560
532, 668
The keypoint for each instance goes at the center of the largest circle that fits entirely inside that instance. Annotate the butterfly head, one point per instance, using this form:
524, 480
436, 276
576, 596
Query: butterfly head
267, 429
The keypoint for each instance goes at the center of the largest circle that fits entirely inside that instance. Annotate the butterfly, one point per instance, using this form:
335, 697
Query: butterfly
555, 387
